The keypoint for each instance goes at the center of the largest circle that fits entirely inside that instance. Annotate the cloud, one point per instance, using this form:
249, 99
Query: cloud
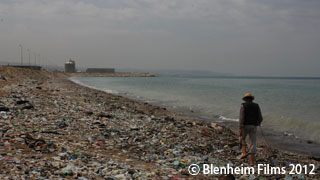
237, 12
165, 32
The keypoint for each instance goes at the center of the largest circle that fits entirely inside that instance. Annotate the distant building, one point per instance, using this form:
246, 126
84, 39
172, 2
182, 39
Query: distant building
70, 66
100, 70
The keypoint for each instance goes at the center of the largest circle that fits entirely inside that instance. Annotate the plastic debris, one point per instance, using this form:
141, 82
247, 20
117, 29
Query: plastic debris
4, 114
301, 176
176, 163
205, 132
252, 177
2, 78
51, 128
288, 177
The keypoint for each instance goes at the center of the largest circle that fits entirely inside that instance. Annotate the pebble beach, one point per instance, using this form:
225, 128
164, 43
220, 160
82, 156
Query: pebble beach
52, 128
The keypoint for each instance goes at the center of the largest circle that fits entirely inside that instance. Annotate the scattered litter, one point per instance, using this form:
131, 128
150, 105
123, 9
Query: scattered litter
53, 129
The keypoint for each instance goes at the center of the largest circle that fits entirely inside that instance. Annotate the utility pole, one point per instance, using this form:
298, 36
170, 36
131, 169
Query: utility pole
35, 59
21, 54
29, 56
39, 60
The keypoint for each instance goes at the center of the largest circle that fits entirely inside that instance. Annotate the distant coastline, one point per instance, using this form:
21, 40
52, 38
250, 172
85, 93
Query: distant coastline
111, 74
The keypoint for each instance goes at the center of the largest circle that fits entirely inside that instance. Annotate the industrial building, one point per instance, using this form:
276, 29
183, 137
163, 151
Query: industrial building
70, 66
100, 70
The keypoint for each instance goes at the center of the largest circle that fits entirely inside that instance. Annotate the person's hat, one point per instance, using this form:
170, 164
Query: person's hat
247, 96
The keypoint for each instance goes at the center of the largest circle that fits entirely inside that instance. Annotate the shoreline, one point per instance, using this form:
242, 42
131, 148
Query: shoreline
266, 136
92, 134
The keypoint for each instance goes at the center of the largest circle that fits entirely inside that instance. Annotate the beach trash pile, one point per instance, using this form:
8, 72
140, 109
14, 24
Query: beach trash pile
55, 129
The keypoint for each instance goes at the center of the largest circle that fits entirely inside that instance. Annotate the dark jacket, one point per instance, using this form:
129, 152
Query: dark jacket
250, 114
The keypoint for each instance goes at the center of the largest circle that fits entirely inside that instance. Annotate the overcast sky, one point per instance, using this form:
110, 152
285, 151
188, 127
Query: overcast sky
244, 37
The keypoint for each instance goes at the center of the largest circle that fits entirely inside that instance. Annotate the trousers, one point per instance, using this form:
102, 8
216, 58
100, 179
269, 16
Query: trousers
250, 130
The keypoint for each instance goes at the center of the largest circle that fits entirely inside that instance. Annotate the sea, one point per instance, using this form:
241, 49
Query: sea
290, 106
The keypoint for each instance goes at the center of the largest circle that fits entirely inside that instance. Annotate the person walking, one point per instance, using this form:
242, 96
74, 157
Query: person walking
250, 118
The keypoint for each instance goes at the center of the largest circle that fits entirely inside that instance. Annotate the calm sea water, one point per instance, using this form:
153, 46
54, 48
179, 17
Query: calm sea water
291, 105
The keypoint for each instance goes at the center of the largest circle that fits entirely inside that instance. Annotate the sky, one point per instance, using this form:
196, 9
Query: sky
243, 37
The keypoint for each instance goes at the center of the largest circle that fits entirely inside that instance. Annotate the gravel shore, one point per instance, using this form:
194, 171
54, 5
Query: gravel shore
52, 128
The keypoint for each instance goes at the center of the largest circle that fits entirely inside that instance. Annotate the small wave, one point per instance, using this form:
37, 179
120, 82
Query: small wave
81, 83
92, 87
227, 119
110, 91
